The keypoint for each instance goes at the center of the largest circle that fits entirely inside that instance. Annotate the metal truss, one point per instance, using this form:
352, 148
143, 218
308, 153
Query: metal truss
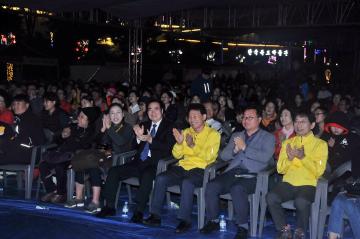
265, 14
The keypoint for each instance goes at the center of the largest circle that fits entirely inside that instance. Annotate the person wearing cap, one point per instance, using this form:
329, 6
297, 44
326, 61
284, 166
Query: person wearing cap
344, 146
114, 132
27, 132
72, 139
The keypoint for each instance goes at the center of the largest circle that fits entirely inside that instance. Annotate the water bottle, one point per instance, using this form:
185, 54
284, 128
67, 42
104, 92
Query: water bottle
174, 205
222, 223
125, 210
44, 208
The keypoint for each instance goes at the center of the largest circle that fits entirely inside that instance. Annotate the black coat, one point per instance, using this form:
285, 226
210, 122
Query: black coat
27, 130
161, 145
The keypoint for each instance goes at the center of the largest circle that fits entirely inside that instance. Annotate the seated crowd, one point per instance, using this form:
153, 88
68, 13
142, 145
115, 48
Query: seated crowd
248, 127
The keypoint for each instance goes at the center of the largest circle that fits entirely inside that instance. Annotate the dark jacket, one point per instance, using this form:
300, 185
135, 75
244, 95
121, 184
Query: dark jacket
27, 130
80, 138
55, 122
162, 143
201, 87
347, 145
171, 113
120, 138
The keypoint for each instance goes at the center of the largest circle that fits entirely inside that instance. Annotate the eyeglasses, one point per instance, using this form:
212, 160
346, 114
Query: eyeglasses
319, 114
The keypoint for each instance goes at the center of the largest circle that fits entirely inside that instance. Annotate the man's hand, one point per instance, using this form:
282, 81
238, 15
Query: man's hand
331, 142
290, 152
300, 153
239, 144
190, 141
178, 136
148, 137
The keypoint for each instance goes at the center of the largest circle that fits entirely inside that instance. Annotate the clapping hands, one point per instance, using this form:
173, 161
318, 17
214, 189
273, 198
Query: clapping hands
295, 152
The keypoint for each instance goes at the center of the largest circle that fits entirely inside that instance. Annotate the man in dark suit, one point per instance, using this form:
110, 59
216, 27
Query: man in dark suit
154, 140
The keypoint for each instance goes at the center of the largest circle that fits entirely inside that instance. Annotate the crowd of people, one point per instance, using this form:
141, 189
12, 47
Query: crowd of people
304, 132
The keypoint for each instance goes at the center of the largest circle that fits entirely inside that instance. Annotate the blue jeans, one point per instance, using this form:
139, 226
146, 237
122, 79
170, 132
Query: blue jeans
341, 207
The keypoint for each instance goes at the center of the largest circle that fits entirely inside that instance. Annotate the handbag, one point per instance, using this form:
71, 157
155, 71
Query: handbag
86, 159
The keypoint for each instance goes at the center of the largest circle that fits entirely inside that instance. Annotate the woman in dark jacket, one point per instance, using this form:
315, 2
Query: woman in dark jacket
73, 138
170, 108
120, 136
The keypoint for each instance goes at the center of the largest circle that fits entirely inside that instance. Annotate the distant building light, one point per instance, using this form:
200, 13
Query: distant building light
9, 71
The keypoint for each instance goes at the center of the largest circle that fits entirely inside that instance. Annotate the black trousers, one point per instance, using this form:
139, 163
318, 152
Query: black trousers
238, 187
303, 196
94, 176
136, 168
60, 174
188, 181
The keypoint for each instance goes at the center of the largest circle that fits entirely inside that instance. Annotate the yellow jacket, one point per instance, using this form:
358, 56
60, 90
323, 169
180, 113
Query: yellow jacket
204, 152
306, 171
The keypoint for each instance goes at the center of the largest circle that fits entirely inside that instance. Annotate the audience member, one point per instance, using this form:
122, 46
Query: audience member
250, 152
302, 161
196, 147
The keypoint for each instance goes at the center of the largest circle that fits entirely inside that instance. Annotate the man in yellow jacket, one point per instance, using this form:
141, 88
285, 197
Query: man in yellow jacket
302, 161
196, 147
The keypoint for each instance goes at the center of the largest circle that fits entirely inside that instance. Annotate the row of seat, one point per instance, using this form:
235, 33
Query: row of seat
319, 208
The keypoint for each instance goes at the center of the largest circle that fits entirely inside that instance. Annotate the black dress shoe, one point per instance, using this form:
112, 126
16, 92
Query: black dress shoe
210, 227
242, 233
106, 212
153, 220
183, 226
137, 217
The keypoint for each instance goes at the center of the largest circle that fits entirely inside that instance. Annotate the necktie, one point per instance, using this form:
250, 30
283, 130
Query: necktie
145, 152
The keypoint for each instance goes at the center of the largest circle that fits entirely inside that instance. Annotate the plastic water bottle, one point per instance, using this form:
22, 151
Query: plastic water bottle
222, 223
44, 208
125, 210
174, 205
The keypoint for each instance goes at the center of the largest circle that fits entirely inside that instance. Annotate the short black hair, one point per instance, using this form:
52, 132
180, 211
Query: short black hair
198, 107
153, 100
51, 96
135, 92
88, 98
306, 114
22, 97
256, 108
323, 109
169, 94
116, 104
